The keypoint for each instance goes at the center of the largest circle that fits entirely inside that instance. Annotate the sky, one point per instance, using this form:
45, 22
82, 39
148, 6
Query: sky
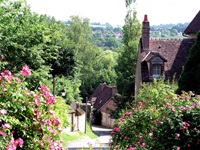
114, 11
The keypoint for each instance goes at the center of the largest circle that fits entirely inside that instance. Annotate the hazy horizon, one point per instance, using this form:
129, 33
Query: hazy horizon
114, 11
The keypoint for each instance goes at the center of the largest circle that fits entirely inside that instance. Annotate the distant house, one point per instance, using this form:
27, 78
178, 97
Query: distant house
163, 57
103, 103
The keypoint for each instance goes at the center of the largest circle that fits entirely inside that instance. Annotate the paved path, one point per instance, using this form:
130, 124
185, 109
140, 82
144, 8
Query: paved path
100, 143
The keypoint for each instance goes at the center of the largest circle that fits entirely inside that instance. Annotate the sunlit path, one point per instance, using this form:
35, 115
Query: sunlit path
102, 142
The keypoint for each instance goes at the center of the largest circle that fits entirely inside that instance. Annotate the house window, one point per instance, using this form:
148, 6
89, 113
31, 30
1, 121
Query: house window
156, 71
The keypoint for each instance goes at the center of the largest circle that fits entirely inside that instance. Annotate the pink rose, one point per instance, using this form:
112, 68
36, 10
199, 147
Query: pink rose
26, 71
19, 142
2, 133
3, 111
37, 101
6, 125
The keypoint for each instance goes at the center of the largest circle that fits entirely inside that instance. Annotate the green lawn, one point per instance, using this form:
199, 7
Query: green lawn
77, 135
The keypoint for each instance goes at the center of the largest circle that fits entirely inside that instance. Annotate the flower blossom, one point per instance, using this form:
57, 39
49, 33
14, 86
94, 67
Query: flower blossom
2, 133
128, 113
173, 108
6, 125
116, 129
151, 134
50, 100
44, 90
26, 71
140, 103
131, 148
6, 75
37, 101
3, 111
141, 137
19, 142
52, 112
194, 105
37, 112
56, 121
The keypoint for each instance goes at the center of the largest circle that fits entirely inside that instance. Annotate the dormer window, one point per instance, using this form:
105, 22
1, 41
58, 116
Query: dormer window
156, 71
157, 67
152, 66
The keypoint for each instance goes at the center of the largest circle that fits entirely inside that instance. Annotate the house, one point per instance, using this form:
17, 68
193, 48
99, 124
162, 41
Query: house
76, 118
163, 57
103, 103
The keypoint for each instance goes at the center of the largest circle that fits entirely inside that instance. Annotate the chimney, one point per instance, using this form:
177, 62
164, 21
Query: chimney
145, 34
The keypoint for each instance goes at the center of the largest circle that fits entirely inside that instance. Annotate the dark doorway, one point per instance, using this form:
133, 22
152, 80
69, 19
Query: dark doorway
97, 116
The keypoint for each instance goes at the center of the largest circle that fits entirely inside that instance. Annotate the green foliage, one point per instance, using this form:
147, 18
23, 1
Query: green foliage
168, 30
38, 41
128, 57
61, 110
107, 38
70, 88
190, 75
53, 49
159, 119
93, 64
104, 65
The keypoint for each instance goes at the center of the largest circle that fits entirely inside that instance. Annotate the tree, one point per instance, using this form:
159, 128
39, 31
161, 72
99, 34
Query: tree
129, 2
38, 41
23, 38
128, 57
190, 75
105, 66
64, 62
80, 33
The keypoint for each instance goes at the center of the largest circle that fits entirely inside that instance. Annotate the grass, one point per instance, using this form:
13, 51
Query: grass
89, 131
77, 135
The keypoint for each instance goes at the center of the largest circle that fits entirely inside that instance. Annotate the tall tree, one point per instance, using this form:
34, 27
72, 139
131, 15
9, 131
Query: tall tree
104, 67
63, 62
127, 59
80, 33
23, 37
190, 75
129, 2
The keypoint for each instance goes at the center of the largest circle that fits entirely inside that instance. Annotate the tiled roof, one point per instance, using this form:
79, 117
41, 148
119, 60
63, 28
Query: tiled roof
108, 106
102, 94
152, 55
194, 25
175, 51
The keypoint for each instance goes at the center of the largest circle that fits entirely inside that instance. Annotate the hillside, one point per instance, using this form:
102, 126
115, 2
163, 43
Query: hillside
168, 30
108, 37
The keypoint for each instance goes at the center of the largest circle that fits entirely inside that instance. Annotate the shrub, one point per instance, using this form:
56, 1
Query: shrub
27, 120
159, 120
61, 109
190, 75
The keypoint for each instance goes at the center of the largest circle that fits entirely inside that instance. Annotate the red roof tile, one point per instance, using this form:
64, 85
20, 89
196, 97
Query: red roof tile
102, 94
175, 51
108, 106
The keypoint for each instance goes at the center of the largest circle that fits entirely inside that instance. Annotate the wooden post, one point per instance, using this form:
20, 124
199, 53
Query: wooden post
86, 113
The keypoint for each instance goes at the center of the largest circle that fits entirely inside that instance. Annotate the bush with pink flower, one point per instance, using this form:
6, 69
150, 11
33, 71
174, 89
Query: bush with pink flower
27, 120
160, 119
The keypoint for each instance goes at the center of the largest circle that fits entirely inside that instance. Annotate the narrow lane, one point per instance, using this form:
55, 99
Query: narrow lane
100, 143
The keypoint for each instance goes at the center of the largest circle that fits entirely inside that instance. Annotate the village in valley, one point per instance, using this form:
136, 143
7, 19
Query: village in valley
75, 85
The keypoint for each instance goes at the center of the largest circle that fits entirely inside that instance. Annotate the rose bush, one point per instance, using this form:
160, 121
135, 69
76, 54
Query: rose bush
159, 119
27, 120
